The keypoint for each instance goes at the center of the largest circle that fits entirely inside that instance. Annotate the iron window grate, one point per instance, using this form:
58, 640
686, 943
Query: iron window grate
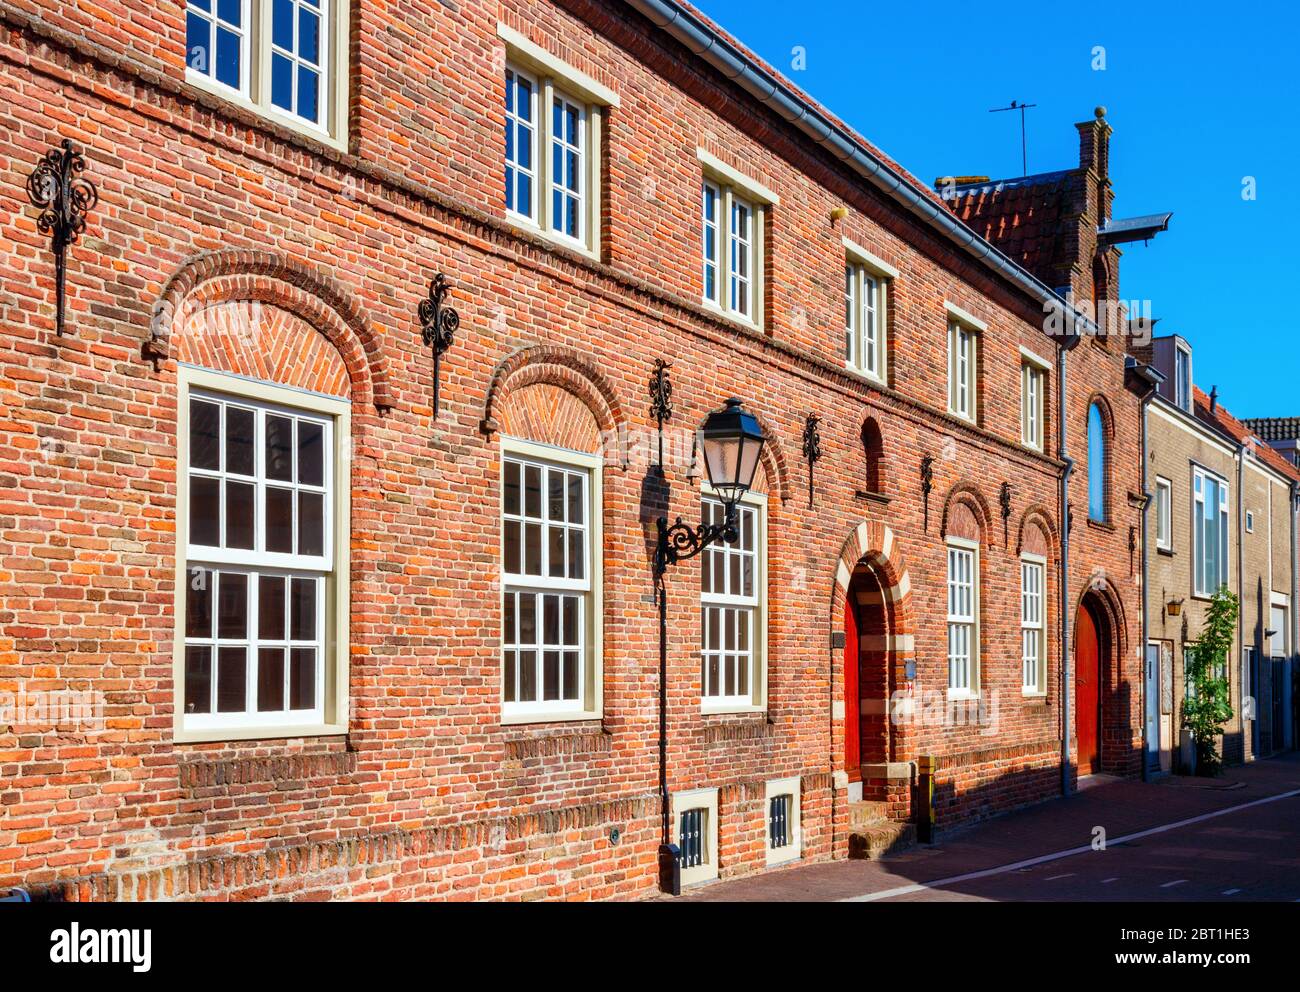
690, 837
778, 821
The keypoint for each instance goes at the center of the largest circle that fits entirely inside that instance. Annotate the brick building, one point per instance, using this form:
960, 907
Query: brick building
338, 642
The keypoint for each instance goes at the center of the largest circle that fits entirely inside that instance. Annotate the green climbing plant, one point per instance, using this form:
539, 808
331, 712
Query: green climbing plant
1208, 706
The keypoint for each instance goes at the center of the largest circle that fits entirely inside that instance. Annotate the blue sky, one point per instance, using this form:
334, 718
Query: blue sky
1200, 97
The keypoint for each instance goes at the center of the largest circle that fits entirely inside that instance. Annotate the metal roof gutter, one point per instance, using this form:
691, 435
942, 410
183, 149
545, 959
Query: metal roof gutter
683, 25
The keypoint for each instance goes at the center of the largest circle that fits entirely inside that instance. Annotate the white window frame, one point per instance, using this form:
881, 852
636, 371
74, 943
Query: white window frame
734, 191
958, 549
866, 307
755, 700
707, 800
1033, 387
330, 716
1200, 478
1250, 521
553, 79
963, 364
1033, 625
1183, 377
1164, 513
589, 704
794, 850
254, 90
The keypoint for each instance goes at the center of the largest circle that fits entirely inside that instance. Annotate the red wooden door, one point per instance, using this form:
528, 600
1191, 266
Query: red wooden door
1087, 672
852, 747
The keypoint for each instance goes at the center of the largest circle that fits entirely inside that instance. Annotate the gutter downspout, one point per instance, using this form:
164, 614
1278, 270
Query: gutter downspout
1241, 554
1146, 600
1067, 468
1291, 617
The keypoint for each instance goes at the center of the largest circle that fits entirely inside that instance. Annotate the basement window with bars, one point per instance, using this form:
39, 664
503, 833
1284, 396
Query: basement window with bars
695, 832
284, 58
783, 834
262, 511
549, 533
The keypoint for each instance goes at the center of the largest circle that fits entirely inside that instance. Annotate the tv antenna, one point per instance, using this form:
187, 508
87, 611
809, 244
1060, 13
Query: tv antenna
1022, 107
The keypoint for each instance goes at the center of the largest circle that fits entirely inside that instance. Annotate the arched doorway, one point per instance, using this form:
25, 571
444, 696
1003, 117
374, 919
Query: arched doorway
868, 681
1090, 646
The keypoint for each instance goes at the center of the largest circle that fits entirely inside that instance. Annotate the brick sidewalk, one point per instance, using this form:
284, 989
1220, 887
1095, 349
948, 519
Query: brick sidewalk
1119, 806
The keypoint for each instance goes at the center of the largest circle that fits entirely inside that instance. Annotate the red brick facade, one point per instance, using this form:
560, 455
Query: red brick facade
207, 209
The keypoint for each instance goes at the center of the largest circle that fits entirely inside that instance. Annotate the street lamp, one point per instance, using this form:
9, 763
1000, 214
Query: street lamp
732, 441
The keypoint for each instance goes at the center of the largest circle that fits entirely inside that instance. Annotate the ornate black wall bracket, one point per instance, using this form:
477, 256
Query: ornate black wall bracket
1004, 500
438, 326
661, 402
681, 541
812, 448
927, 484
64, 196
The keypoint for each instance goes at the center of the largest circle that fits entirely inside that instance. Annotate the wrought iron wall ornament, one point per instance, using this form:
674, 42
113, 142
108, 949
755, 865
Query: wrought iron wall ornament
438, 326
64, 196
661, 402
681, 541
812, 448
927, 484
1004, 500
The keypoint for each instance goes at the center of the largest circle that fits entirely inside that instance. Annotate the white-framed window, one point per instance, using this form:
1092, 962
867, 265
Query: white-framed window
730, 237
1210, 533
1033, 382
733, 634
962, 364
554, 116
784, 830
963, 613
285, 58
1250, 521
1183, 377
694, 820
866, 299
262, 548
1033, 624
550, 572
732, 217
1164, 512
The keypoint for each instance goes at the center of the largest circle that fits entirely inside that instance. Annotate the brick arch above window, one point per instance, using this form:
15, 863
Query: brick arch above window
273, 281
1036, 534
965, 514
552, 415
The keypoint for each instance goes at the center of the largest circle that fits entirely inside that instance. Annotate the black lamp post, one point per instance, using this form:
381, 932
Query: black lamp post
732, 441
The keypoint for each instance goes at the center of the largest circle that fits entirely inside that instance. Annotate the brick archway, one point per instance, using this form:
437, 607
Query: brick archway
871, 565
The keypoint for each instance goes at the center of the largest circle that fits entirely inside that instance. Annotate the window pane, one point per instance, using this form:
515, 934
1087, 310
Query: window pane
279, 520
577, 568
205, 511
270, 607
556, 551
311, 524
282, 24
239, 514
511, 500
279, 448
302, 678
308, 94
533, 549
232, 606
527, 618
270, 679
555, 495
205, 435
198, 680
198, 603
239, 440
512, 547
570, 620
232, 673
550, 675
228, 58
198, 34
527, 676
302, 612
533, 491
575, 499
281, 82
230, 11
311, 453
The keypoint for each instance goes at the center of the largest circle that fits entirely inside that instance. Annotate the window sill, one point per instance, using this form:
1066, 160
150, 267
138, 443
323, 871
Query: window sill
1036, 448
873, 497
784, 857
865, 376
1167, 552
1101, 525
730, 709
565, 716
729, 315
536, 230
215, 734
963, 417
1033, 695
236, 98
963, 694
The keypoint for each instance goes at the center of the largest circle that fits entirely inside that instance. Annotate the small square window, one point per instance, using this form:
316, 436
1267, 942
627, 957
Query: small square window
1250, 521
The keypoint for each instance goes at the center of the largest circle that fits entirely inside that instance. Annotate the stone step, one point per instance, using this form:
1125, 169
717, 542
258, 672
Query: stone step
865, 812
876, 840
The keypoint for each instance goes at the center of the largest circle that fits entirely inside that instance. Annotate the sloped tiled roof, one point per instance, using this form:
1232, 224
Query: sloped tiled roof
1238, 431
1275, 428
1023, 217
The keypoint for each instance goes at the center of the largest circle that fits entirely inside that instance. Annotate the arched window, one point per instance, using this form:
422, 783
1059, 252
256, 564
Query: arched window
1096, 463
873, 453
